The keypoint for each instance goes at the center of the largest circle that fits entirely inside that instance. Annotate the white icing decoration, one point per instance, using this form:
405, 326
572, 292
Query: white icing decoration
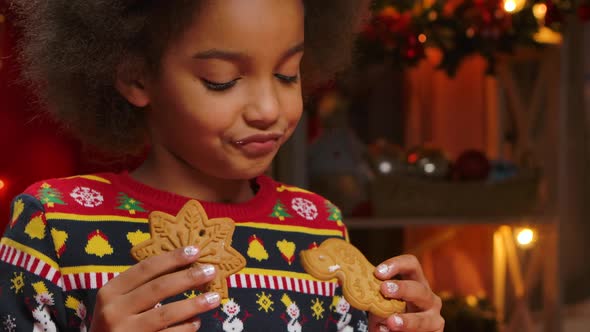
334, 268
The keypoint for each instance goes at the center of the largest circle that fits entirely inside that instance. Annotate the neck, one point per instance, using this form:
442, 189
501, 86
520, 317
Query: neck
167, 172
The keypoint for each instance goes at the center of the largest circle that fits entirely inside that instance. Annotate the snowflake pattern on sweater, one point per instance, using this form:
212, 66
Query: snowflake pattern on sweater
66, 238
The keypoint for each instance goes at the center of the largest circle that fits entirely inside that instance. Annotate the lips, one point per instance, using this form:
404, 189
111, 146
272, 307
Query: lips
258, 145
258, 138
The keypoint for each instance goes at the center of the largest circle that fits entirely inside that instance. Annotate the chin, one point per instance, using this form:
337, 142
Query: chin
247, 172
258, 167
254, 172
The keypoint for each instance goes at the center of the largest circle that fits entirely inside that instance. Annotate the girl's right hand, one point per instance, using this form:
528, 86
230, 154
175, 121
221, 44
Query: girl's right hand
127, 302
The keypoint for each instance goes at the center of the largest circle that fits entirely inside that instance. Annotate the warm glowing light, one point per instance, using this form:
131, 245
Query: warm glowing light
2, 184
471, 300
432, 15
525, 237
470, 32
422, 38
547, 36
539, 11
413, 158
513, 6
509, 6
428, 3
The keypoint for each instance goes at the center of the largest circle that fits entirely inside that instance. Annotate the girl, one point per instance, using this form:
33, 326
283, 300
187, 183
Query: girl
215, 87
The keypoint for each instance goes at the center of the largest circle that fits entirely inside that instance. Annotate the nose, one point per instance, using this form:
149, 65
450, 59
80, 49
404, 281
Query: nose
263, 110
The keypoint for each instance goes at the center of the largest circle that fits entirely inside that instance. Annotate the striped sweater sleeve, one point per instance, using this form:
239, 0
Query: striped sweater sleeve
31, 297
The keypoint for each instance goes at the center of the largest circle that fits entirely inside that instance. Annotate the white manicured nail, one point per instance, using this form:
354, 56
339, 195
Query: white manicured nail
392, 287
383, 328
208, 269
383, 269
191, 251
212, 298
398, 320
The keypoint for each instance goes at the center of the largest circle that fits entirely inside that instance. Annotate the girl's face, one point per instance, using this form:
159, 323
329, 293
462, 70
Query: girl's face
228, 94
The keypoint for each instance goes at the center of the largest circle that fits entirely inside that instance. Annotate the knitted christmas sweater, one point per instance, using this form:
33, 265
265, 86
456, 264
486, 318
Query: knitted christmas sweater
66, 238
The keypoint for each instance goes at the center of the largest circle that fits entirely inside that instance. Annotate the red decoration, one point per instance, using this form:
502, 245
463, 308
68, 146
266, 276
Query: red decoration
471, 165
584, 12
413, 48
393, 29
458, 29
33, 146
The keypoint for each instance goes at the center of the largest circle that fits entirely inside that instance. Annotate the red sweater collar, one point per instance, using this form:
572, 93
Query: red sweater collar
171, 203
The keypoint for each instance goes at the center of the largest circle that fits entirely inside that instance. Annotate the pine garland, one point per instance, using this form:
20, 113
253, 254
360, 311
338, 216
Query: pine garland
400, 30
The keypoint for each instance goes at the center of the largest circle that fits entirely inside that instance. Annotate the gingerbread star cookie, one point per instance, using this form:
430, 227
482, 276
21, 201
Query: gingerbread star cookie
336, 258
192, 227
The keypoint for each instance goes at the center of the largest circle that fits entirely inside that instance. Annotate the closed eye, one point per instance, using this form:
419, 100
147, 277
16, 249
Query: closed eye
288, 79
219, 86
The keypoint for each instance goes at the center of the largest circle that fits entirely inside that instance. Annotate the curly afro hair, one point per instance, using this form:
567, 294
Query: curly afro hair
71, 50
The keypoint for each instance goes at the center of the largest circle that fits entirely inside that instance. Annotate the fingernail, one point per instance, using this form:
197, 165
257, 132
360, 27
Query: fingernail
392, 287
398, 321
383, 328
208, 269
212, 298
191, 251
383, 269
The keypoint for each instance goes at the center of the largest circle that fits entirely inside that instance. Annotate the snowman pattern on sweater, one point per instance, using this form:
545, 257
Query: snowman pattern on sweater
295, 321
232, 323
342, 307
41, 313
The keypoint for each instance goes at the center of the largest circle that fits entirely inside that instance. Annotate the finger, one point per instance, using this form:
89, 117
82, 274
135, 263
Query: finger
411, 291
378, 324
147, 295
407, 266
383, 328
427, 321
160, 318
186, 327
149, 269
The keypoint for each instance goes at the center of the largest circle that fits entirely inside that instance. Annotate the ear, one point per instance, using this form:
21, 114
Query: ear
131, 84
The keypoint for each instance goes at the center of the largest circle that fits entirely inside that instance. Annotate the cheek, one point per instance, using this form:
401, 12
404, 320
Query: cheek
202, 114
293, 110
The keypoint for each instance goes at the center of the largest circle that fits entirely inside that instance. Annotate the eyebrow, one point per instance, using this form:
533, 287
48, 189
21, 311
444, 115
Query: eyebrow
235, 56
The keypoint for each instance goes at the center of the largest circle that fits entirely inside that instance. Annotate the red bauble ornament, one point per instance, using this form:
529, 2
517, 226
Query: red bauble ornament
471, 165
413, 49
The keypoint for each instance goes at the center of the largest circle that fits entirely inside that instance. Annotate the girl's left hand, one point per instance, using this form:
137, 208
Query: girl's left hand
422, 305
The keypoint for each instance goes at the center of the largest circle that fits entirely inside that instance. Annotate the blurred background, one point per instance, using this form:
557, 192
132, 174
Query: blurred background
460, 135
